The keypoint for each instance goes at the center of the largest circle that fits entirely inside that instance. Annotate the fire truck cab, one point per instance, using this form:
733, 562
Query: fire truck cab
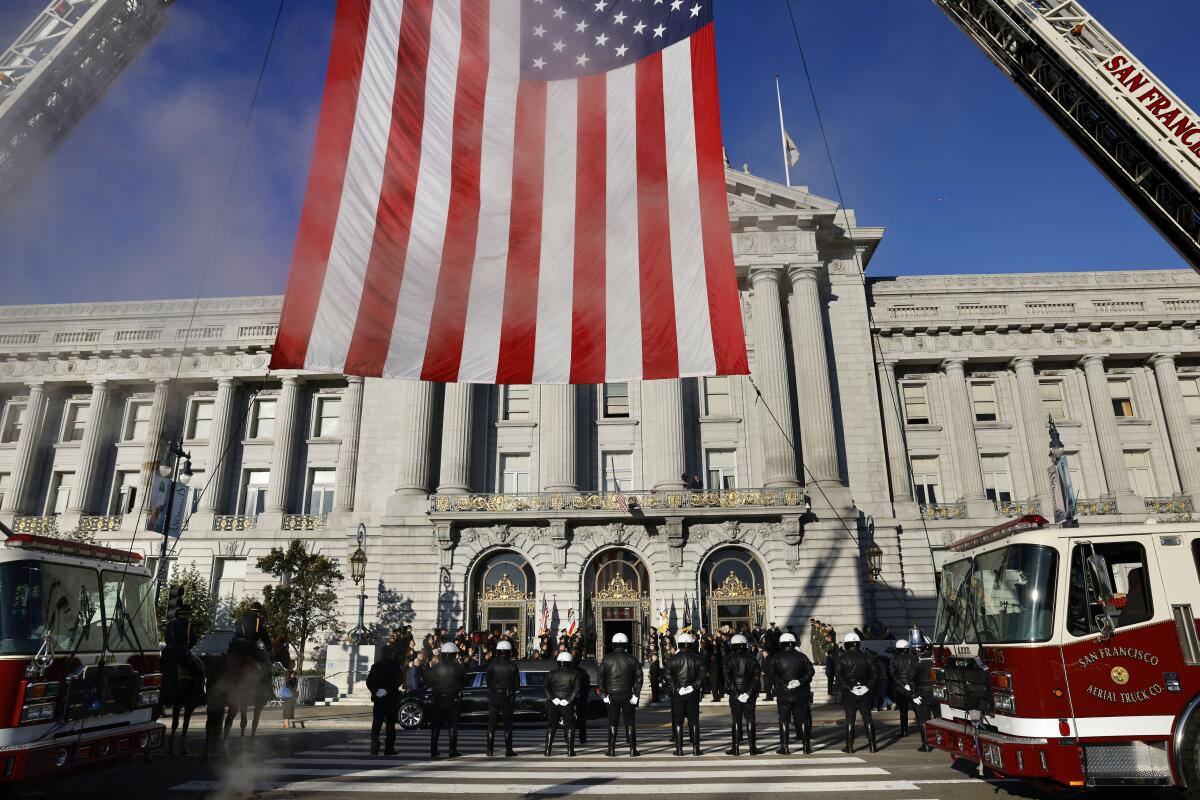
1071, 655
78, 656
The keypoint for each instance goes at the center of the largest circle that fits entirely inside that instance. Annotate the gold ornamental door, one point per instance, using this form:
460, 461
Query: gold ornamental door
502, 608
618, 607
734, 603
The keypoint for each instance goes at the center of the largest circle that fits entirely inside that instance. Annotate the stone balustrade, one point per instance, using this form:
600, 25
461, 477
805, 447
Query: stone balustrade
651, 500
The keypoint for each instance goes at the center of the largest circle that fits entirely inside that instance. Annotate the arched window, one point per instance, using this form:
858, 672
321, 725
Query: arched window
616, 587
732, 589
503, 590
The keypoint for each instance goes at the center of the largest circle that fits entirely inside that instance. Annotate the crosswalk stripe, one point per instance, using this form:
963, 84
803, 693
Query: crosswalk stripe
560, 752
574, 787
629, 765
575, 774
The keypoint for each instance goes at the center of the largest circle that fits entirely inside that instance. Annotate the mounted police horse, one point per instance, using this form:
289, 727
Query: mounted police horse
239, 683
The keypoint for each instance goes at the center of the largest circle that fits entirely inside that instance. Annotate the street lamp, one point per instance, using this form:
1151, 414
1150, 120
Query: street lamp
358, 573
874, 556
176, 467
1062, 475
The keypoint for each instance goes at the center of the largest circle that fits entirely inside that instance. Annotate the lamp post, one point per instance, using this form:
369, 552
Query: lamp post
1065, 493
874, 556
177, 467
358, 572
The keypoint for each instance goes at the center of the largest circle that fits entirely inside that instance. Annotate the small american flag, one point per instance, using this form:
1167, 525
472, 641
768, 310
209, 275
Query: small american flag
545, 620
517, 191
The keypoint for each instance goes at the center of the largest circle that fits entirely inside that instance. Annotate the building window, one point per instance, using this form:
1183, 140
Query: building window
14, 421
617, 469
124, 495
1137, 467
515, 402
321, 483
137, 422
616, 400
1073, 469
200, 417
927, 480
59, 495
1191, 395
197, 487
1054, 401
229, 580
327, 420
983, 400
514, 473
916, 403
4, 484
1121, 392
262, 423
997, 483
254, 491
75, 422
721, 469
716, 397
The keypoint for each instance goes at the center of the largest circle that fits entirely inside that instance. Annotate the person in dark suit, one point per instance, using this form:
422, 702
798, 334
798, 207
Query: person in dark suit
655, 677
383, 681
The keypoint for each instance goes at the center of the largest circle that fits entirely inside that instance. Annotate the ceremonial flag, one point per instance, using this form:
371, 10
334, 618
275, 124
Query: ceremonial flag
572, 624
545, 619
687, 614
664, 616
516, 191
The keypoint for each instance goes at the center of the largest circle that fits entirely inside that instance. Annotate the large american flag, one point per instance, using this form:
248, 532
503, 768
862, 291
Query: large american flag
516, 191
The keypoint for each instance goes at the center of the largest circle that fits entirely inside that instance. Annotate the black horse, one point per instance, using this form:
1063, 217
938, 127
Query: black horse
236, 684
183, 691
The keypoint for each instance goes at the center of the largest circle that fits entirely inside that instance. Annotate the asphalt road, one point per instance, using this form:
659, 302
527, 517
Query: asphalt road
329, 759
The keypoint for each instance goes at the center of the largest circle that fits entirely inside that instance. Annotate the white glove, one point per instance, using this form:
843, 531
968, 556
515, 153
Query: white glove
859, 691
685, 690
793, 684
907, 688
633, 701
380, 692
743, 697
607, 701
918, 700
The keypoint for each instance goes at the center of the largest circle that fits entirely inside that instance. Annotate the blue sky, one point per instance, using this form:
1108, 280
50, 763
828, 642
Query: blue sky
929, 139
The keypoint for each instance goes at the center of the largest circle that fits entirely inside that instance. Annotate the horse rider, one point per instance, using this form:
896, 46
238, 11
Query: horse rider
177, 655
620, 685
503, 681
790, 672
685, 675
742, 674
248, 633
856, 674
562, 690
447, 679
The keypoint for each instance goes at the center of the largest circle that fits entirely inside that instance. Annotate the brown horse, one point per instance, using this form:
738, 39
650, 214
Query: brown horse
237, 683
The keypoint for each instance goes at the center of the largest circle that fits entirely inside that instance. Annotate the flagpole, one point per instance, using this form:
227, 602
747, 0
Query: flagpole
787, 172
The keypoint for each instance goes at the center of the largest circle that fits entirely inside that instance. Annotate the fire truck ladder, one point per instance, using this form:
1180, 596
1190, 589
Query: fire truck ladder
59, 67
1054, 51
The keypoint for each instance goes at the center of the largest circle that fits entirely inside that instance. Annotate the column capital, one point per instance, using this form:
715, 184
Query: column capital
888, 364
1023, 361
1165, 357
805, 270
224, 383
354, 379
957, 363
292, 380
1093, 358
764, 272
99, 383
160, 382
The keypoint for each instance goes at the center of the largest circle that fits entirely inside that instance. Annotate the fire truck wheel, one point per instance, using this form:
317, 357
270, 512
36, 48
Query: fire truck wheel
1189, 758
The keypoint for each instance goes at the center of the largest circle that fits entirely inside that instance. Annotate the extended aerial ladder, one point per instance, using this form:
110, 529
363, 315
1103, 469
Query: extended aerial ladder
59, 67
1142, 137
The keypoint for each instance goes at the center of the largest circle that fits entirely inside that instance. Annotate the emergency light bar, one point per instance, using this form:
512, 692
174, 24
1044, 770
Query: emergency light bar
1025, 523
48, 543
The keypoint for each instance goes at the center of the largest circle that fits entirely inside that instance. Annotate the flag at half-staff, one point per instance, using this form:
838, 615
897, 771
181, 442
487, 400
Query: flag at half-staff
516, 191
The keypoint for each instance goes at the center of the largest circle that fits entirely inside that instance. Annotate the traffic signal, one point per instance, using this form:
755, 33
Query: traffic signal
174, 598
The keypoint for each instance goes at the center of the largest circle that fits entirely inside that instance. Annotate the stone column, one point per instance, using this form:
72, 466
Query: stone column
1035, 432
152, 450
347, 466
663, 404
455, 474
961, 432
893, 430
90, 453
558, 438
771, 376
415, 419
1112, 457
1179, 424
818, 437
219, 447
284, 445
24, 465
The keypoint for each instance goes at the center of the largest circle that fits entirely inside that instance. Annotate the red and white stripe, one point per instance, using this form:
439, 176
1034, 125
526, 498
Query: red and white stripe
464, 225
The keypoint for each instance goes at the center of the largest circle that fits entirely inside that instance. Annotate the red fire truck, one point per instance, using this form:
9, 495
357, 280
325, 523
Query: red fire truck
1071, 655
78, 656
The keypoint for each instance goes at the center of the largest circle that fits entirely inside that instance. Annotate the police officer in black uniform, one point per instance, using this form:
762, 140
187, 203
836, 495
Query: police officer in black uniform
620, 685
857, 675
503, 679
790, 674
248, 633
923, 701
742, 674
562, 690
447, 679
176, 654
684, 673
902, 670
585, 690
383, 681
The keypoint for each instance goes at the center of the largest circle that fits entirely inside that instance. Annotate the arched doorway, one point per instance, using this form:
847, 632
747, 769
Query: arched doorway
732, 589
616, 588
503, 591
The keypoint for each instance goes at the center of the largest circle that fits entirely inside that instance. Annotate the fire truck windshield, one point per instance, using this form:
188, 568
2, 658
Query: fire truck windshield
1005, 596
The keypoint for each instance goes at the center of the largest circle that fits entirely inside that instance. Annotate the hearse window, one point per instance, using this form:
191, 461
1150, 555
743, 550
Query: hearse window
1129, 574
533, 678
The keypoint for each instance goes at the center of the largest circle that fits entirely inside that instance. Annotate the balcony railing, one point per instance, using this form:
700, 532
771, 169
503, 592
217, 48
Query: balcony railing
304, 522
607, 501
98, 524
234, 522
43, 525
1179, 504
1097, 506
1017, 508
944, 511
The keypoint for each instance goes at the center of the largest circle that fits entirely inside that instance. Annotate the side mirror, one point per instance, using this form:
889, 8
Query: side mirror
1098, 572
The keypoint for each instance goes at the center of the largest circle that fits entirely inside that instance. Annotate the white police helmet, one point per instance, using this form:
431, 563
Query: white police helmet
564, 656
851, 638
684, 638
787, 638
620, 638
449, 647
503, 644
738, 639
902, 644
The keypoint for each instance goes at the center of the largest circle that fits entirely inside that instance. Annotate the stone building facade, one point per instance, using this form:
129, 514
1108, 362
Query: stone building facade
901, 413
